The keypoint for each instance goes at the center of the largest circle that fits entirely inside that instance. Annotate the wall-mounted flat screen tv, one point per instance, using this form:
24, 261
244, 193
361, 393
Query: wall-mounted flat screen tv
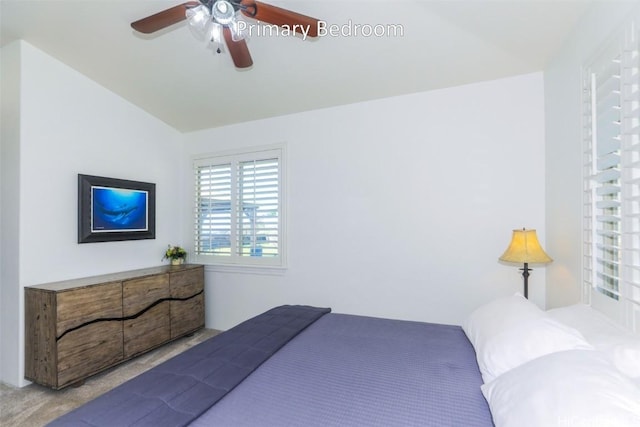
115, 209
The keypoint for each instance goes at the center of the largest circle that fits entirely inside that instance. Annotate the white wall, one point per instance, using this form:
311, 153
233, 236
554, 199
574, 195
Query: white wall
562, 92
69, 125
9, 208
399, 207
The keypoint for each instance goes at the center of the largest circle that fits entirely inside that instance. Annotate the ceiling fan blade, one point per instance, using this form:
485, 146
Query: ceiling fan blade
238, 50
278, 16
163, 19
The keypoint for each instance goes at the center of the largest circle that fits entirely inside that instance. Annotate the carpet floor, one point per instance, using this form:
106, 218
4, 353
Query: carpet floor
35, 406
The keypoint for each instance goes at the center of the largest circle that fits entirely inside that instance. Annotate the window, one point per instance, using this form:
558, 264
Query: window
611, 133
239, 208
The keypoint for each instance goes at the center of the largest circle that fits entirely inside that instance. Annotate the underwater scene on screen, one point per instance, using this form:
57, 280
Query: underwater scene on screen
117, 209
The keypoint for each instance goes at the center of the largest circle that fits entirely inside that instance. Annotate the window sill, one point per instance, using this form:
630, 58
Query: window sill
270, 270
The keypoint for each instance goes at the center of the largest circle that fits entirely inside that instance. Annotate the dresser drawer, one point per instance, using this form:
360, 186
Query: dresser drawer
187, 316
79, 306
147, 331
88, 350
185, 284
140, 294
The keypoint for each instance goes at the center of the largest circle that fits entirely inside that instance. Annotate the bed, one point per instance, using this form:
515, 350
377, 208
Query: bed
307, 366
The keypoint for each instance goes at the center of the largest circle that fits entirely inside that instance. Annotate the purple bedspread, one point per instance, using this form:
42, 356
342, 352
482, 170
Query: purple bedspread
359, 371
177, 391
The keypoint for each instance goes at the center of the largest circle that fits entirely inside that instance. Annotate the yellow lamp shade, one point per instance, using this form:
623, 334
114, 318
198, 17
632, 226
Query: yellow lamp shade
525, 248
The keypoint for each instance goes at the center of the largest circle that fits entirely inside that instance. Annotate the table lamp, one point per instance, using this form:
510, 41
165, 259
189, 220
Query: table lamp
525, 248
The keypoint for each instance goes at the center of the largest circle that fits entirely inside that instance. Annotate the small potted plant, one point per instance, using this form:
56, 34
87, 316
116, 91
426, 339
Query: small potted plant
176, 254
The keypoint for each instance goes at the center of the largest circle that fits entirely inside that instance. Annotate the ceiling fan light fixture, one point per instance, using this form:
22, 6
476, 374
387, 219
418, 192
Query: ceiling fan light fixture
198, 15
198, 18
215, 32
223, 12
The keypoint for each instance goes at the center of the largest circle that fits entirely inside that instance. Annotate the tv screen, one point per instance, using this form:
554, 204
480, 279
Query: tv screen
114, 209
117, 209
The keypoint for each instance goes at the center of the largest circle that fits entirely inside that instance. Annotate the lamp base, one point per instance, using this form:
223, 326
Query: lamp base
525, 274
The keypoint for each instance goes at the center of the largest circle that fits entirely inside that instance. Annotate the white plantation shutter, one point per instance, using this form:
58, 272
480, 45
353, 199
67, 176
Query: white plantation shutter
213, 209
258, 191
604, 81
239, 208
612, 175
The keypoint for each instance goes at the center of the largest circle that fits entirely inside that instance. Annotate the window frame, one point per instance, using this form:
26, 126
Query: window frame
235, 262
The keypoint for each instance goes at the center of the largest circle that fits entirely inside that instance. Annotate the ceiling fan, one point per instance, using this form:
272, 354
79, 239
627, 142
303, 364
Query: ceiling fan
217, 19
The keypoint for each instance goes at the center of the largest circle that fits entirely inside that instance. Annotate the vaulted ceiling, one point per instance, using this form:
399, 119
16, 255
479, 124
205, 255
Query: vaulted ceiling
421, 45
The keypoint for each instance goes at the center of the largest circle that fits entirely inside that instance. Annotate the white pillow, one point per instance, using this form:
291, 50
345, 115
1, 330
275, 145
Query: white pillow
585, 319
523, 342
577, 387
622, 350
621, 346
495, 316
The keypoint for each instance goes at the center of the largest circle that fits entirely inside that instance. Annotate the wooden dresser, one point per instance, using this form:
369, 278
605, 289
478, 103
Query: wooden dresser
77, 328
